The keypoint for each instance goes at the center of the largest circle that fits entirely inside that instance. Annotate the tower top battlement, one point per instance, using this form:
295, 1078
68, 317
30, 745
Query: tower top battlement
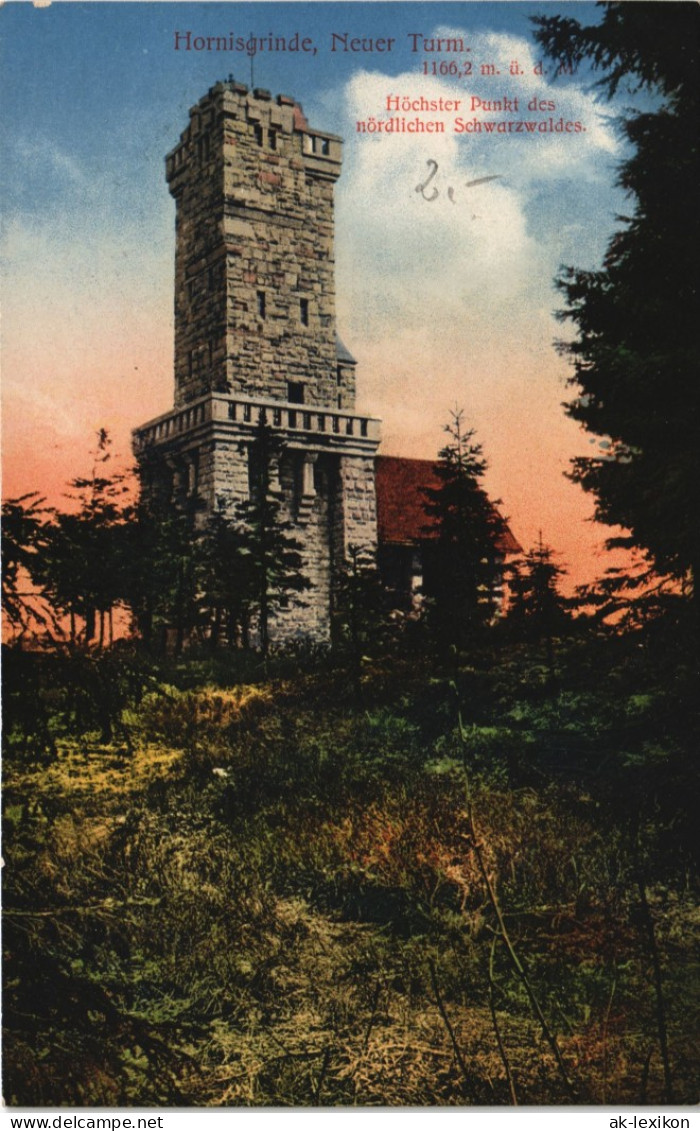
231, 102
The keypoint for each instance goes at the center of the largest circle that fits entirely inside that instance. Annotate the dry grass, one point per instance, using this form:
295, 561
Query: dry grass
243, 939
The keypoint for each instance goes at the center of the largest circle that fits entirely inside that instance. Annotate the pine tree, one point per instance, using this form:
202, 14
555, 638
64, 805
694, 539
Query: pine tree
635, 355
359, 611
536, 601
228, 595
83, 564
537, 610
465, 559
165, 577
24, 542
274, 569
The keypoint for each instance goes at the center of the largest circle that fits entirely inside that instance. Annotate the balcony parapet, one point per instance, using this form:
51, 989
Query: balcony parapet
308, 426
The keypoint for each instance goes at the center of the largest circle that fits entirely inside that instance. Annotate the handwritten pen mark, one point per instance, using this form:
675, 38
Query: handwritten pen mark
422, 187
435, 192
483, 180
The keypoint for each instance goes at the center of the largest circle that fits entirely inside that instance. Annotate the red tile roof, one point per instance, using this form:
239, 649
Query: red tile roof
401, 515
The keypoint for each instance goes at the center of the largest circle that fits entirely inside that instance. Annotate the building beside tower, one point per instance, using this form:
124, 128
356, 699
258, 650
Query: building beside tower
256, 342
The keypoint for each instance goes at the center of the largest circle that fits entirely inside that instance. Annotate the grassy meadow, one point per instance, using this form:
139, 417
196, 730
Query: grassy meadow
463, 883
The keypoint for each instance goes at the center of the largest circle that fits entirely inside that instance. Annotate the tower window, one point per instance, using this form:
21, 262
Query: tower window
259, 135
304, 311
295, 392
261, 304
339, 375
193, 474
272, 139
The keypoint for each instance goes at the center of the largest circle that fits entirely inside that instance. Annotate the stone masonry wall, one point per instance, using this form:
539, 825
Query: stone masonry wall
356, 515
307, 613
255, 289
196, 182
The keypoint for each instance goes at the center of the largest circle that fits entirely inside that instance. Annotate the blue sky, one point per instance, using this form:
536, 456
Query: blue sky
445, 302
103, 82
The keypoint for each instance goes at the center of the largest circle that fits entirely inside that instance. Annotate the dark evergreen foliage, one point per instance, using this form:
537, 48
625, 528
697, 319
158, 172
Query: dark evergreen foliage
538, 612
24, 543
167, 560
465, 559
536, 603
227, 597
359, 620
274, 572
86, 563
635, 354
70, 564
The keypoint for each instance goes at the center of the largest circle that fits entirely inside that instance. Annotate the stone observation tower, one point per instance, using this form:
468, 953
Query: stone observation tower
255, 335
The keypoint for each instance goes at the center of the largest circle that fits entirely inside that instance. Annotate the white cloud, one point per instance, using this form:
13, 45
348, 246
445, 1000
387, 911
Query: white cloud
449, 301
40, 156
473, 267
